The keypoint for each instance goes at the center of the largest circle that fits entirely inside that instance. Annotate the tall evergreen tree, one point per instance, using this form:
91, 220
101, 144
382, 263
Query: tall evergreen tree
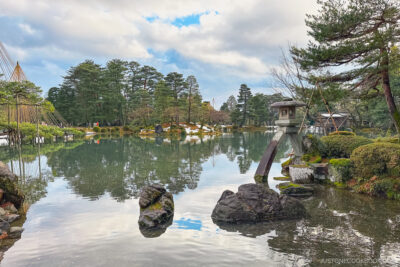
162, 101
192, 91
177, 84
243, 103
115, 82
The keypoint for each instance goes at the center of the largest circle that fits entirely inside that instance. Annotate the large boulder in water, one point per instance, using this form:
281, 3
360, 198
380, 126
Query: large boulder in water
156, 209
8, 185
256, 203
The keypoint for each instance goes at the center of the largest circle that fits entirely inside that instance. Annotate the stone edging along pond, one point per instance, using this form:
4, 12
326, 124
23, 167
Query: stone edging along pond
369, 166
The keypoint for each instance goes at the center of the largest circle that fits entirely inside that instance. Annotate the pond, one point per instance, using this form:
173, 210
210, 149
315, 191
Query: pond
84, 208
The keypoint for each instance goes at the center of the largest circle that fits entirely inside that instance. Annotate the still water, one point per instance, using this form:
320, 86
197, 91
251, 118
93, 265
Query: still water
85, 210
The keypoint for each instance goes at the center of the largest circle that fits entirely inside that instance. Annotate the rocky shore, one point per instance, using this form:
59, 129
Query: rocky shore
11, 209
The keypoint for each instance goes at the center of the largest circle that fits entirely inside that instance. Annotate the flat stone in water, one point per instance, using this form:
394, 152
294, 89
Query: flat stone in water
295, 190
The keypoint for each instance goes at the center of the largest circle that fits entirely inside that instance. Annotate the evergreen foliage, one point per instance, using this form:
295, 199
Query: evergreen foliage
355, 46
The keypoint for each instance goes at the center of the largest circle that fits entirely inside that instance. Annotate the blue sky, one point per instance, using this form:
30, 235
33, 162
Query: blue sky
223, 43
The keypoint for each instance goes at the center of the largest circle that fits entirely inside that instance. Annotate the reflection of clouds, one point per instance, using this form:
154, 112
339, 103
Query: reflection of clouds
346, 237
389, 254
66, 229
63, 229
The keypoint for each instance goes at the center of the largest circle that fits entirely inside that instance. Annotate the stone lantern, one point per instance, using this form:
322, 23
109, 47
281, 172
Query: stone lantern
287, 115
288, 125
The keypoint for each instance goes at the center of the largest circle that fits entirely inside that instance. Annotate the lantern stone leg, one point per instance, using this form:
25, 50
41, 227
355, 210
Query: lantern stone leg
295, 140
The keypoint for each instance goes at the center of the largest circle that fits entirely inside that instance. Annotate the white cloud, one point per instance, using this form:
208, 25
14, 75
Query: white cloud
239, 38
26, 28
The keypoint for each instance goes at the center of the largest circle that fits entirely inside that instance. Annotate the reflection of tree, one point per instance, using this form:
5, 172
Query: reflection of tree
340, 224
248, 148
121, 167
25, 162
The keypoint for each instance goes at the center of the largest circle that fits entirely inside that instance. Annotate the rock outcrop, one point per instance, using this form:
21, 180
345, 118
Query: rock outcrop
8, 185
256, 203
156, 210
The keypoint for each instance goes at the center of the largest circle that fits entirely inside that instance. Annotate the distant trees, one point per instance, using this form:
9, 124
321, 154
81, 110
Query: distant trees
250, 110
125, 92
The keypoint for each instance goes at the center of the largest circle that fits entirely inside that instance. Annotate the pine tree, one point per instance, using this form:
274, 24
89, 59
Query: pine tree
355, 45
192, 91
177, 85
243, 103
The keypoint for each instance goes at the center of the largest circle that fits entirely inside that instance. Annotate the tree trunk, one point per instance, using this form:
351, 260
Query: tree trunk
189, 109
394, 113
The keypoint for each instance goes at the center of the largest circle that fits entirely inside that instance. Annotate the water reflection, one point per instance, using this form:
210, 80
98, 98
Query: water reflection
122, 166
362, 230
85, 196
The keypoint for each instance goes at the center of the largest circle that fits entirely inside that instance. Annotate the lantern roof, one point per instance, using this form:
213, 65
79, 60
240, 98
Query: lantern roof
288, 103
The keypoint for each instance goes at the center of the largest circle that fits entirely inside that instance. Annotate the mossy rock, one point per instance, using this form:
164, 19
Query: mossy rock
295, 190
260, 179
287, 185
283, 178
300, 166
287, 162
8, 183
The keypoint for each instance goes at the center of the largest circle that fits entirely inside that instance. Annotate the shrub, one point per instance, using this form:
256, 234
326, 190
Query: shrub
126, 128
117, 129
96, 129
48, 132
341, 146
73, 131
343, 167
391, 139
376, 159
136, 129
103, 130
341, 133
312, 145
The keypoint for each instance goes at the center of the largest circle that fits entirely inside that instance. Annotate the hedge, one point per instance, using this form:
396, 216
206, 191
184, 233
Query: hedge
342, 133
382, 159
341, 146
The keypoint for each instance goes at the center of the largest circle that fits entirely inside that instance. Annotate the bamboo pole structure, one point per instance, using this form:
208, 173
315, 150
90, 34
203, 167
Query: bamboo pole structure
18, 135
